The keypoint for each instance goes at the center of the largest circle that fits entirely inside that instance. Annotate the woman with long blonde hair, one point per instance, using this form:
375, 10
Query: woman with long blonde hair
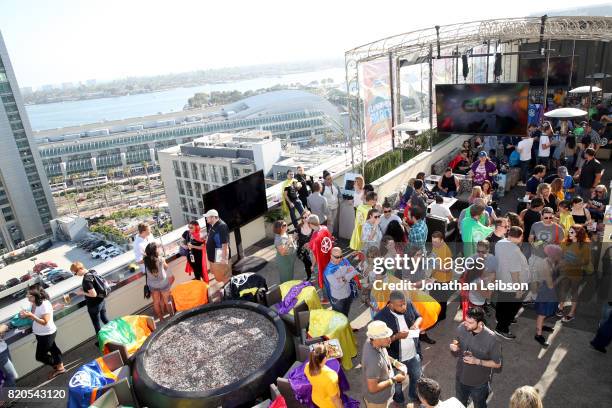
359, 191
526, 397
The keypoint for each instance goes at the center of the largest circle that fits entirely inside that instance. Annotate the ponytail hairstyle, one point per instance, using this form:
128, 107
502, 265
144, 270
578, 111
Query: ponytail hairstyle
317, 355
151, 261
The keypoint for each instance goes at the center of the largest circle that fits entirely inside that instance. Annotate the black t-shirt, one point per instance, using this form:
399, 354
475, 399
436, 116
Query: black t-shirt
218, 235
492, 241
303, 179
88, 284
588, 172
531, 217
532, 184
291, 192
449, 183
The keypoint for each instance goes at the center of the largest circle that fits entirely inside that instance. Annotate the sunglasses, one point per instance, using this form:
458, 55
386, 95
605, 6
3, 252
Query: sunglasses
336, 257
387, 211
377, 216
547, 218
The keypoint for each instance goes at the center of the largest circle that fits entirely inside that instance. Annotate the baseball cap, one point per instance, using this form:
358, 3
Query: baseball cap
212, 213
482, 154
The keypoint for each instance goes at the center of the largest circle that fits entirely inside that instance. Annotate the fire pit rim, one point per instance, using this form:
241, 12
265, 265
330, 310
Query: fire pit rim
226, 389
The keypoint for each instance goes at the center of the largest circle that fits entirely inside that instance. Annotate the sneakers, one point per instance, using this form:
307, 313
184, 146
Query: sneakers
547, 329
567, 318
520, 184
505, 335
542, 340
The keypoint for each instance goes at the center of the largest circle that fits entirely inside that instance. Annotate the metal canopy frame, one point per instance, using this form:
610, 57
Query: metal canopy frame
427, 45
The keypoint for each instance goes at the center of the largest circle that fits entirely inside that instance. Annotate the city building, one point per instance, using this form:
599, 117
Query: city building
26, 204
292, 116
192, 169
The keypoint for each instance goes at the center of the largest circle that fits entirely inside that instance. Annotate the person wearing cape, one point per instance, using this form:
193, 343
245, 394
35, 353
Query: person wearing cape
321, 244
361, 215
198, 249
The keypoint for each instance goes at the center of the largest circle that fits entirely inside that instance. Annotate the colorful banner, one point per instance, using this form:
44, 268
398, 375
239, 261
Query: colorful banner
376, 95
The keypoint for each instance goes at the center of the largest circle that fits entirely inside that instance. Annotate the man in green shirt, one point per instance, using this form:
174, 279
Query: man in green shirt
472, 230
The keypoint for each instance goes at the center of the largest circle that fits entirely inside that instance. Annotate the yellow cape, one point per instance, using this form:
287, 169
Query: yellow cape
360, 218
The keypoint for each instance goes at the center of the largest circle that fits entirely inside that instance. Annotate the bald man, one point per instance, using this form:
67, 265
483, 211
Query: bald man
338, 275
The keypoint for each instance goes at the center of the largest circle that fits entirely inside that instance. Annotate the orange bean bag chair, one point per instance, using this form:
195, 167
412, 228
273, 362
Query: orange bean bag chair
189, 294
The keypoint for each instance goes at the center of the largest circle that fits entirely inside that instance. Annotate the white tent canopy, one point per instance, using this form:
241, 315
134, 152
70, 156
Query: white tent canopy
565, 113
586, 89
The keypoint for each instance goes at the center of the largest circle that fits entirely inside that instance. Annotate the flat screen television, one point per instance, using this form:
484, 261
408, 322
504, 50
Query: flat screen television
533, 70
488, 109
240, 201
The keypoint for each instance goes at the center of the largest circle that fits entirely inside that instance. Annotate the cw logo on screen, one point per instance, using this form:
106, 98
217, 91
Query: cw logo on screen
478, 104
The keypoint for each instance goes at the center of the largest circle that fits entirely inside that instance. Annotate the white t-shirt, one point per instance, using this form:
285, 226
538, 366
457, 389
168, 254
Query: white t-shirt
139, 249
524, 149
49, 328
331, 193
440, 210
450, 403
476, 297
407, 348
544, 139
358, 198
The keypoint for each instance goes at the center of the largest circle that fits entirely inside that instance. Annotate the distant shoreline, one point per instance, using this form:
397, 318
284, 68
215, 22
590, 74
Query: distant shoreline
125, 92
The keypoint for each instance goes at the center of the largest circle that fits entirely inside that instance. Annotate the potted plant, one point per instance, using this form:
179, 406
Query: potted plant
269, 218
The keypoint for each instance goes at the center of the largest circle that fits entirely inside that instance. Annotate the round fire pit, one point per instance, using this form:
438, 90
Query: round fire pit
223, 354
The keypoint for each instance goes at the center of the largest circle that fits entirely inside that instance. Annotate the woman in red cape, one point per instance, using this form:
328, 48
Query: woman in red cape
195, 243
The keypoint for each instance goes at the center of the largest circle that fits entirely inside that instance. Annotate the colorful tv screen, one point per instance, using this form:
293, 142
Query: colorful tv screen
491, 109
533, 70
240, 201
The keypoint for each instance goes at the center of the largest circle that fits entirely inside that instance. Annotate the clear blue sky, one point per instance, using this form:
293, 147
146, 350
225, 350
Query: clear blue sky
58, 41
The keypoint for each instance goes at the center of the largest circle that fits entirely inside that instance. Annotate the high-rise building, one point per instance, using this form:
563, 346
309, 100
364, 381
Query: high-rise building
192, 169
26, 204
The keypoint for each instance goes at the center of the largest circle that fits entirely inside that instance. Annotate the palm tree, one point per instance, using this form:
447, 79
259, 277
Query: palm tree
144, 166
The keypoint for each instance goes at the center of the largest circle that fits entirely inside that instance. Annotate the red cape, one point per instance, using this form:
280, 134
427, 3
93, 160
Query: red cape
321, 244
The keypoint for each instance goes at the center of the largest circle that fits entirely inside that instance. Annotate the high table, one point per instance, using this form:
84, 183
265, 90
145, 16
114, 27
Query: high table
307, 295
448, 202
334, 325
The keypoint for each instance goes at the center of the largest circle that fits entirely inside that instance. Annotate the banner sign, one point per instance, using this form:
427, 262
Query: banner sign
376, 94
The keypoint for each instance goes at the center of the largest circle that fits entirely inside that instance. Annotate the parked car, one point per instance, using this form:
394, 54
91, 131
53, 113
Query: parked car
96, 253
94, 244
12, 282
25, 278
60, 276
20, 294
43, 265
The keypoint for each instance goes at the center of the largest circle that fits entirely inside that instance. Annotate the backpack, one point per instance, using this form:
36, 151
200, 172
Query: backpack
101, 286
515, 159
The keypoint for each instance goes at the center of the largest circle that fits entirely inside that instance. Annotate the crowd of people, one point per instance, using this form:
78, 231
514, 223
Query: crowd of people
550, 245
546, 246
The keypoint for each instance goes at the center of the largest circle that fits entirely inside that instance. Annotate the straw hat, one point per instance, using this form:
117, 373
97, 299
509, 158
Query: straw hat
378, 330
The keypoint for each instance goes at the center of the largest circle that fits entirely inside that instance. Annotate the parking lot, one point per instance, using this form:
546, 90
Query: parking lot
62, 253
